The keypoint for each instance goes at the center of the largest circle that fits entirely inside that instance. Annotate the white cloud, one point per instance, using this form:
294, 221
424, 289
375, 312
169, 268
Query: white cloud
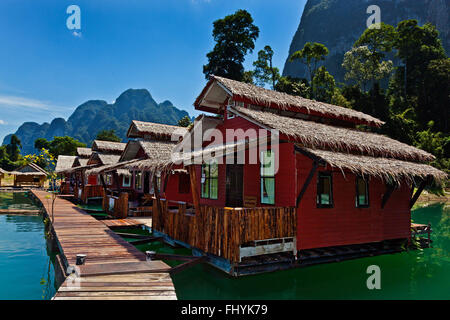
15, 101
3, 122
77, 34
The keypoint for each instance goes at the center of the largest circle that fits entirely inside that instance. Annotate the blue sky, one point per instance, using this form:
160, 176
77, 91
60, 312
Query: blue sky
46, 70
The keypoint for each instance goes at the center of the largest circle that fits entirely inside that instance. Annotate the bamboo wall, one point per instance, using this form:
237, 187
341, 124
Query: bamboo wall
220, 231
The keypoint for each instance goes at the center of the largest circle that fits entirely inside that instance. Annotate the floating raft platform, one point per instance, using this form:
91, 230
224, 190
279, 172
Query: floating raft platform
128, 222
113, 268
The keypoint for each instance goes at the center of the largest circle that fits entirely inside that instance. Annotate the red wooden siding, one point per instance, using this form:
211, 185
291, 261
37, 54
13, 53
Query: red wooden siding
344, 223
172, 189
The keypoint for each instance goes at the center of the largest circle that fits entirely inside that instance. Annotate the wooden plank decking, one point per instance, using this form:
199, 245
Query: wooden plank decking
114, 269
128, 222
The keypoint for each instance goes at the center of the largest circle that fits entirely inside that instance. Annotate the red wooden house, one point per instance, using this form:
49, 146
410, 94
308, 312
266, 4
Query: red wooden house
321, 190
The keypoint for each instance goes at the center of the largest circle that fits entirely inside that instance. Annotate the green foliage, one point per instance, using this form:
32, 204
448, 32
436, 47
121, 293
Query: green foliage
265, 72
379, 39
60, 145
248, 77
108, 135
41, 143
184, 122
311, 55
363, 68
293, 86
13, 148
415, 106
235, 36
323, 85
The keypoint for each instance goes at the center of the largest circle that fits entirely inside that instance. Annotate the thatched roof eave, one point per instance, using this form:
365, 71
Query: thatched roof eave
387, 169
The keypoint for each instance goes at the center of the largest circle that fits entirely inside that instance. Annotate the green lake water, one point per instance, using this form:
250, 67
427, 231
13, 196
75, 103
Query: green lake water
409, 275
26, 270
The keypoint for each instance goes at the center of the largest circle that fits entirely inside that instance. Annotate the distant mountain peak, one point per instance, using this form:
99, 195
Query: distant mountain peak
93, 116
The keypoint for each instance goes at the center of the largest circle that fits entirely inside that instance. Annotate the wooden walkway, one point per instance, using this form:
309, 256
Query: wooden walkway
114, 269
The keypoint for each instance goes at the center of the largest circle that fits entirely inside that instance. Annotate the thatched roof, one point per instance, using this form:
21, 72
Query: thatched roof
320, 136
219, 89
30, 169
157, 131
383, 168
157, 153
64, 162
84, 152
80, 168
80, 162
109, 167
108, 158
108, 146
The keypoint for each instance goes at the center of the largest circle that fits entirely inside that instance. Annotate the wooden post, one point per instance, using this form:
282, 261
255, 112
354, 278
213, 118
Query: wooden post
102, 180
158, 199
307, 182
389, 189
193, 179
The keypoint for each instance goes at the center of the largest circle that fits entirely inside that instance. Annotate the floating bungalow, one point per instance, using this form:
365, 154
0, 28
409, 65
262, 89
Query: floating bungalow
30, 175
321, 190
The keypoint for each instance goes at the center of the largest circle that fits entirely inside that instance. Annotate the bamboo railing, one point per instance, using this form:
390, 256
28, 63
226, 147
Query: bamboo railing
119, 209
221, 231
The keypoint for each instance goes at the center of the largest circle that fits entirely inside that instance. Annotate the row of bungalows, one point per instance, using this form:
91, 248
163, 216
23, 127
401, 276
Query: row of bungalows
274, 181
270, 180
128, 185
87, 187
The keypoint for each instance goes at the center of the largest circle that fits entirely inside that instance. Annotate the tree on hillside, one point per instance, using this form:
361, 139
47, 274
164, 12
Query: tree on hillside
41, 143
323, 85
362, 68
59, 146
13, 148
108, 135
184, 122
379, 41
265, 72
311, 55
235, 36
424, 76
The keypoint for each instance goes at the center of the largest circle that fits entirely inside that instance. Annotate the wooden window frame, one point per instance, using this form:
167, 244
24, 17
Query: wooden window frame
126, 185
358, 205
325, 174
209, 178
261, 181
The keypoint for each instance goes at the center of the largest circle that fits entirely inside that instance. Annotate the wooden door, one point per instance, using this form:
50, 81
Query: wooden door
234, 185
146, 182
